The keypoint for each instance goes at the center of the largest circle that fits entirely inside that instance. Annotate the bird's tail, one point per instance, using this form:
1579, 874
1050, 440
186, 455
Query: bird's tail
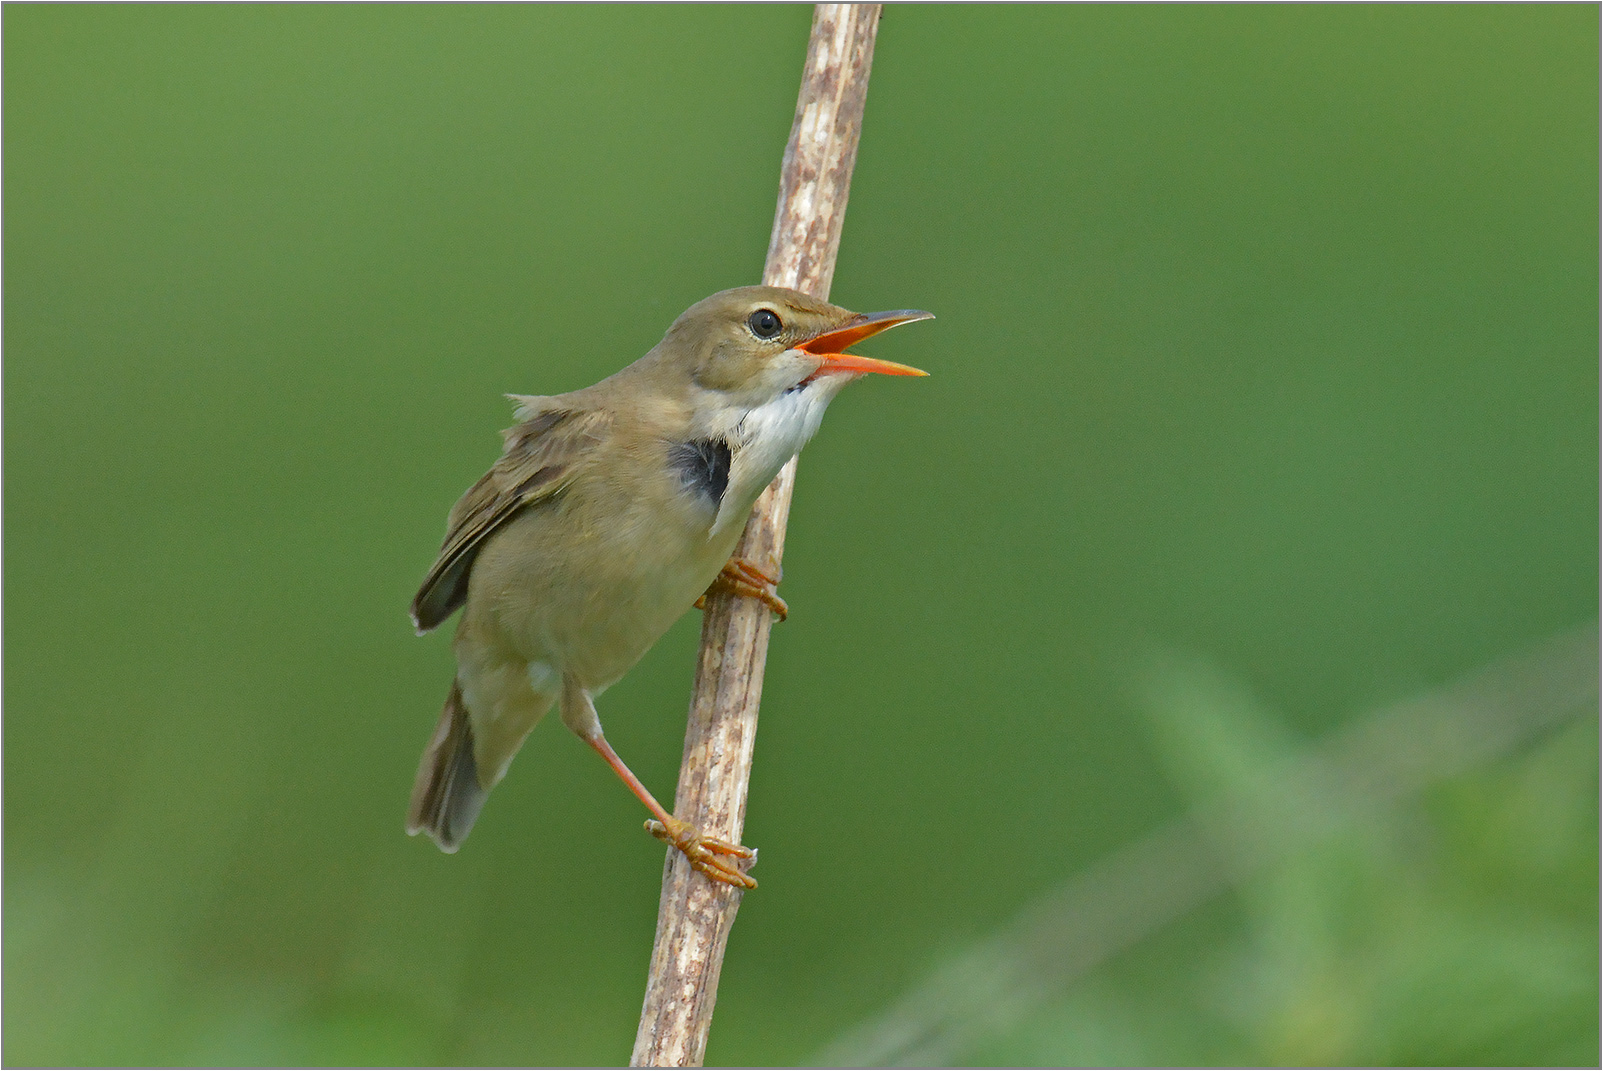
447, 796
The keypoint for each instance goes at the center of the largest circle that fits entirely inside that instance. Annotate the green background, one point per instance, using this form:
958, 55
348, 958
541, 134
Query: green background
1266, 334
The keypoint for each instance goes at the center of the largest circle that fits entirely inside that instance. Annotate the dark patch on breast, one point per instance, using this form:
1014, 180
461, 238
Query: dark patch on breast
703, 466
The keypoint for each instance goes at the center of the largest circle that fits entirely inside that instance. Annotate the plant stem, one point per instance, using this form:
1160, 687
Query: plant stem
696, 913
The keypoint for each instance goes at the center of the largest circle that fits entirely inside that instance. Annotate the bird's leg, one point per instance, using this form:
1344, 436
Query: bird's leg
742, 576
705, 853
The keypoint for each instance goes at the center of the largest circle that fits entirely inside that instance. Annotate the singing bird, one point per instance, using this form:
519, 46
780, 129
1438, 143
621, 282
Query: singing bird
611, 510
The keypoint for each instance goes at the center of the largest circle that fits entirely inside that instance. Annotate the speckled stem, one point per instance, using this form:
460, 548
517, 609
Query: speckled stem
696, 913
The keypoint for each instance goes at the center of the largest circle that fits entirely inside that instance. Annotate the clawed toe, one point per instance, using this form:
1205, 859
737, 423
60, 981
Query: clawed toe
706, 854
740, 576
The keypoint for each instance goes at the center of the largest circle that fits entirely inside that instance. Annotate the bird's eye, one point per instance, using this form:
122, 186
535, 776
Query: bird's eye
764, 323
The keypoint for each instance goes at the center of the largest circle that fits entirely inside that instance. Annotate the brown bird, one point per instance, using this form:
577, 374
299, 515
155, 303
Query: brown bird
611, 509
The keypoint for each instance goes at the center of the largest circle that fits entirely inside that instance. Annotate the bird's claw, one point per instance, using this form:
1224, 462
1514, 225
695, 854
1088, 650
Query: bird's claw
741, 576
706, 854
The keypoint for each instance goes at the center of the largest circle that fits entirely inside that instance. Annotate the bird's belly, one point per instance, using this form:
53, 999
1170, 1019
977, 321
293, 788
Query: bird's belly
593, 608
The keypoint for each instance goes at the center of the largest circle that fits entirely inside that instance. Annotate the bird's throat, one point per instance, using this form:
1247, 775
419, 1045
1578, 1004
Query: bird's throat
765, 438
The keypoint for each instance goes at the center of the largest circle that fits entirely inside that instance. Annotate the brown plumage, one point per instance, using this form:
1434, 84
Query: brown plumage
610, 510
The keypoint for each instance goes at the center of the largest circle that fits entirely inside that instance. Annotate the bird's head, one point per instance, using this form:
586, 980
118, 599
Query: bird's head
756, 343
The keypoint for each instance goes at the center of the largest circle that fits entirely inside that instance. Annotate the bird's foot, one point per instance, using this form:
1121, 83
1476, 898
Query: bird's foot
741, 576
706, 854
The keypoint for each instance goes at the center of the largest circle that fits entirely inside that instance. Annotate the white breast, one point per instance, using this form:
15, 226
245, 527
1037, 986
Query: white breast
765, 438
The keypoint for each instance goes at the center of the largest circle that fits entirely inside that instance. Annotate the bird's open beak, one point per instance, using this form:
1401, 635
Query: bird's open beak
829, 346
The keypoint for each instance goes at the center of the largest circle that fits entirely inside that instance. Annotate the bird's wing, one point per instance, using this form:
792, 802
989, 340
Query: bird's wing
543, 454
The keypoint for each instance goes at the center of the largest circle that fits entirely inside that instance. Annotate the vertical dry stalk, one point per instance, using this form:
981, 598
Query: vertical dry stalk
695, 914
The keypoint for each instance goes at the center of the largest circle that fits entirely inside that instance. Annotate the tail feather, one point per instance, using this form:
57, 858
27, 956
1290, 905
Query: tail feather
447, 796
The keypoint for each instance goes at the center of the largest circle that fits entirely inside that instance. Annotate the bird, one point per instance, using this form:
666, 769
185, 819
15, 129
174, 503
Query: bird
610, 512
